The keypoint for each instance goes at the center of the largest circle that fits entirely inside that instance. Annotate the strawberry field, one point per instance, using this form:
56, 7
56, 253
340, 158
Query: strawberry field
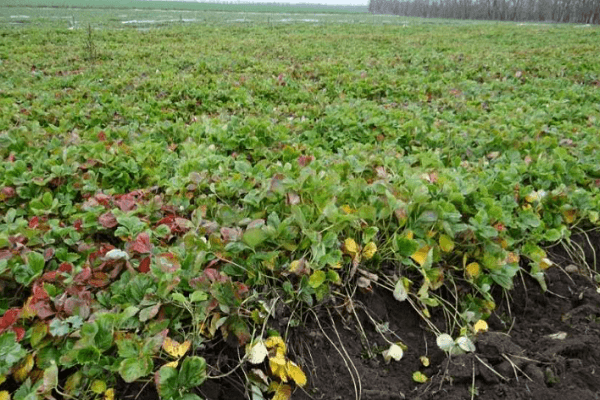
175, 197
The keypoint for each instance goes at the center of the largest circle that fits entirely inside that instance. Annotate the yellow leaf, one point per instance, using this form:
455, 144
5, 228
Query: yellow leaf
426, 312
503, 243
446, 244
295, 267
257, 353
98, 386
420, 256
490, 305
174, 348
73, 382
283, 392
369, 251
409, 235
473, 270
109, 394
2, 379
347, 209
532, 197
350, 247
24, 368
480, 326
296, 373
419, 377
28, 310
546, 263
424, 361
278, 367
4, 395
172, 364
275, 342
336, 266
512, 258
570, 216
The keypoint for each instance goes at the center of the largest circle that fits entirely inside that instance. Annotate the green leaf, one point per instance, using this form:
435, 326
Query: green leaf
406, 247
529, 219
59, 327
552, 235
504, 276
88, 355
178, 297
49, 379
317, 278
11, 351
198, 295
38, 332
128, 348
192, 372
36, 262
149, 312
254, 237
132, 369
167, 382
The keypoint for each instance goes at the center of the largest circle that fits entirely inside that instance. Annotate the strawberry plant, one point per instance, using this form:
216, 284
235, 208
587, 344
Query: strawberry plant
156, 209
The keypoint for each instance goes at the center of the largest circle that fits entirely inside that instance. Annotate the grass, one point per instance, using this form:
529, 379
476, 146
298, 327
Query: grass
197, 181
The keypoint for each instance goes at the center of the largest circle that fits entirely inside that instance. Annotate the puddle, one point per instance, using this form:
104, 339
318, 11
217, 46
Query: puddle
141, 21
298, 20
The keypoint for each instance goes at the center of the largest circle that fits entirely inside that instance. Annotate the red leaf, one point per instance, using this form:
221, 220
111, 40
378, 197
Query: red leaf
77, 225
65, 267
242, 288
20, 332
101, 136
103, 199
211, 274
48, 253
303, 161
34, 222
5, 254
108, 220
82, 277
126, 203
9, 318
182, 224
168, 220
168, 262
141, 244
49, 276
8, 192
75, 306
39, 293
144, 265
99, 279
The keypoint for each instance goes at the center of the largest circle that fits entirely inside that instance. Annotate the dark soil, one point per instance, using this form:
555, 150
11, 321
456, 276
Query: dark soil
517, 359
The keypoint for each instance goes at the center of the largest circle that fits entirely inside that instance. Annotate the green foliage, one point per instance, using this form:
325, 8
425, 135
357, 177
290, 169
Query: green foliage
182, 196
10, 351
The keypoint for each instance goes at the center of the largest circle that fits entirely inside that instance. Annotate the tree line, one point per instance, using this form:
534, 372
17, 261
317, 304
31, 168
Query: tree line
573, 11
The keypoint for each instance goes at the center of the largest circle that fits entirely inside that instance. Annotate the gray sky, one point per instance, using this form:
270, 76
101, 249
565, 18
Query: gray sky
329, 2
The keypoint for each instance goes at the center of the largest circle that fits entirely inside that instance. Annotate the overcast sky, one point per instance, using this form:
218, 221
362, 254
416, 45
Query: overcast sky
329, 2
